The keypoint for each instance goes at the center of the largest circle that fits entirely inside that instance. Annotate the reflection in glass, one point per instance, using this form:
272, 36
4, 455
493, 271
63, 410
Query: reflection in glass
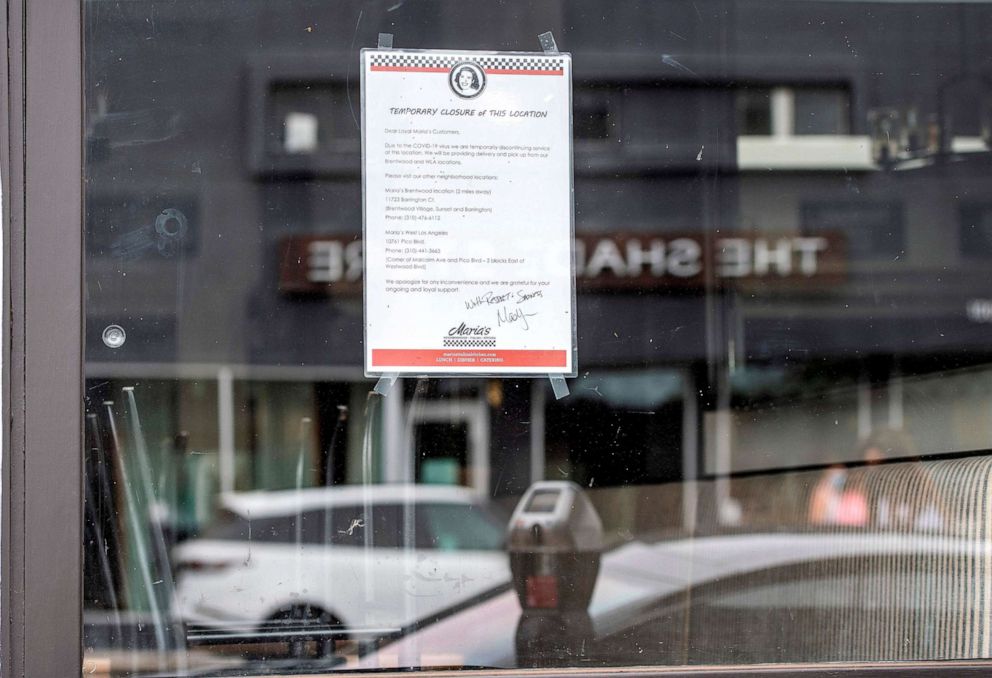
781, 414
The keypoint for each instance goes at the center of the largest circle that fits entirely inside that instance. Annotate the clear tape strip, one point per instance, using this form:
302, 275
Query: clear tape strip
558, 385
548, 43
385, 383
385, 41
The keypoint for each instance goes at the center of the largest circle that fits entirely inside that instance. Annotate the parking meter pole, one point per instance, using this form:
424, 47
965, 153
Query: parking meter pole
549, 640
554, 541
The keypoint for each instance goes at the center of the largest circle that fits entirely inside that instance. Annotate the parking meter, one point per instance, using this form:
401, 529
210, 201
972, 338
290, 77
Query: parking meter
554, 539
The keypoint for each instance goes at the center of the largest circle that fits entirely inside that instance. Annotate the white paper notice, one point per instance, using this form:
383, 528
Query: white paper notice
468, 212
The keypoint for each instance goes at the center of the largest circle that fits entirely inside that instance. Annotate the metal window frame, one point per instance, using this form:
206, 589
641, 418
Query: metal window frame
42, 352
41, 514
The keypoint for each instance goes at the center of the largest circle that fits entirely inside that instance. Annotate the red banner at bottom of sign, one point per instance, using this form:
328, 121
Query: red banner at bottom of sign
415, 357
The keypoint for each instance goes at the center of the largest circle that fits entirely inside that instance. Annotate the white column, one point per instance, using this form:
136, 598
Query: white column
783, 112
690, 451
397, 447
225, 427
479, 455
728, 510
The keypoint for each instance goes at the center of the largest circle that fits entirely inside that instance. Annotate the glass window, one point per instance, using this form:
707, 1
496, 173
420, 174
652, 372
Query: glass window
870, 229
594, 115
976, 230
754, 111
774, 449
450, 527
787, 111
822, 111
374, 526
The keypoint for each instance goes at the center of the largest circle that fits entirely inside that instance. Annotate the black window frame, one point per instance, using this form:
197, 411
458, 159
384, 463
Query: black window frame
42, 460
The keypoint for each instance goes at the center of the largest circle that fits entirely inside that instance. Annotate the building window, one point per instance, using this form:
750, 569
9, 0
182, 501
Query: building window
798, 128
594, 116
754, 112
301, 117
793, 111
821, 111
976, 231
872, 230
308, 118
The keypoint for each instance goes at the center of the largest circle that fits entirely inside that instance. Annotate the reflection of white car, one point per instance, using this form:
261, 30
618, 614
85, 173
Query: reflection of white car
748, 598
366, 557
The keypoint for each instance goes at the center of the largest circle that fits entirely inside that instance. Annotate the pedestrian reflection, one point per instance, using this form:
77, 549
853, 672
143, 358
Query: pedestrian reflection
879, 494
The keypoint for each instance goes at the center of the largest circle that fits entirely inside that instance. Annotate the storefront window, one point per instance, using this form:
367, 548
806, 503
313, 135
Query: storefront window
775, 447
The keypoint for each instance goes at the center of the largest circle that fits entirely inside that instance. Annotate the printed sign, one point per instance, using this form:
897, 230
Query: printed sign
468, 225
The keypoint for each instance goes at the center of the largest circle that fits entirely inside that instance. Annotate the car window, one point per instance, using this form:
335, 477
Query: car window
375, 525
349, 525
460, 527
276, 530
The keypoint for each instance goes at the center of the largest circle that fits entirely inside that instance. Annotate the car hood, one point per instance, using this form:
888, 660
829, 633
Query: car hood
631, 576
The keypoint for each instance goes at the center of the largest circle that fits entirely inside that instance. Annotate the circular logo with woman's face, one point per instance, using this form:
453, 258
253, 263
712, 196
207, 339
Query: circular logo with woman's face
467, 80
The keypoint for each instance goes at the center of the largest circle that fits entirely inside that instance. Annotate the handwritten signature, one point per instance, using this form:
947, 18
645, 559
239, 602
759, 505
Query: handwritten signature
487, 299
505, 316
523, 295
492, 299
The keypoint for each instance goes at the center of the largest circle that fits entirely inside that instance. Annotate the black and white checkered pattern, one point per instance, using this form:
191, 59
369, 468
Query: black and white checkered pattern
513, 63
414, 60
475, 342
500, 63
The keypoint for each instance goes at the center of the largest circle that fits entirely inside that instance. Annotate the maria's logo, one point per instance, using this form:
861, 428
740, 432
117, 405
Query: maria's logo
464, 330
469, 336
467, 79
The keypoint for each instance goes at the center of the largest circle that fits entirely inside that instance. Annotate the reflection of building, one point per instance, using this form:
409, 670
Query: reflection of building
747, 274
